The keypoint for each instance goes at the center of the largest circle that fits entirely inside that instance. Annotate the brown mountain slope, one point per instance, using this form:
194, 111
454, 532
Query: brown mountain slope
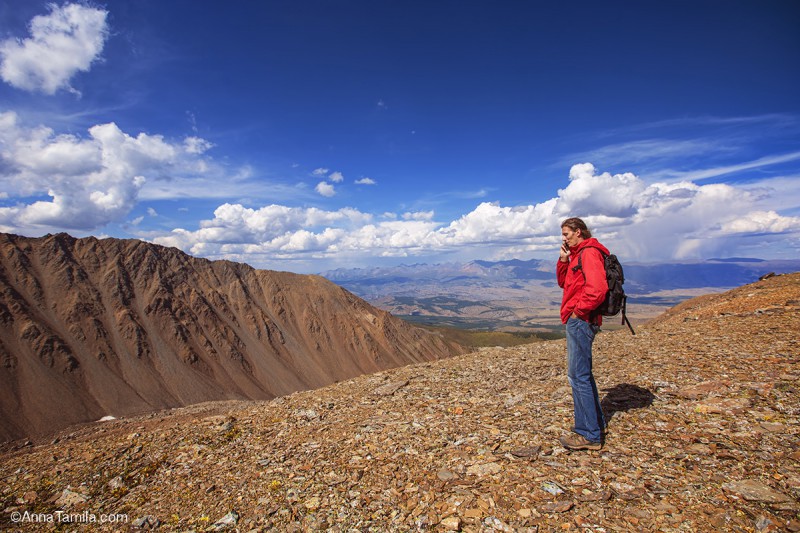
704, 435
90, 328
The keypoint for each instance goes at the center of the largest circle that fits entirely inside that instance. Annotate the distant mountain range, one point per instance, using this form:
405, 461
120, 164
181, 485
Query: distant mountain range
640, 278
519, 294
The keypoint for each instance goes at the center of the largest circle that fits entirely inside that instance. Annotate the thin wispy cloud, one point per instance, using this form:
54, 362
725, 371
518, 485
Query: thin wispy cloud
700, 175
649, 151
695, 148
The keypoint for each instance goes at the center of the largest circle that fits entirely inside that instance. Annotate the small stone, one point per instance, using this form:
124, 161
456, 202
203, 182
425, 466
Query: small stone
764, 524
599, 496
389, 388
473, 513
755, 491
148, 522
552, 487
773, 427
116, 483
307, 414
528, 451
312, 504
485, 469
557, 507
584, 523
620, 487
227, 521
70, 498
497, 525
451, 523
446, 475
723, 406
514, 400
702, 389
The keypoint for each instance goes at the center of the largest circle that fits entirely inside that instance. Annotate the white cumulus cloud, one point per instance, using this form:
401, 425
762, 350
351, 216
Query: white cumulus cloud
666, 221
325, 189
418, 215
64, 181
761, 222
589, 192
270, 228
64, 42
638, 220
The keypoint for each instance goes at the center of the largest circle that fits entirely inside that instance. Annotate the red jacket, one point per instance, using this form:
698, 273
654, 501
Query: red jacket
583, 295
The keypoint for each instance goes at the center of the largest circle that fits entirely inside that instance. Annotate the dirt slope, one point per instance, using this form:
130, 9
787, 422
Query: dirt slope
90, 328
704, 435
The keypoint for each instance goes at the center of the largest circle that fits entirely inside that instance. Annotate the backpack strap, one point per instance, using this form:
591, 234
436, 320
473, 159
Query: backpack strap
625, 317
579, 266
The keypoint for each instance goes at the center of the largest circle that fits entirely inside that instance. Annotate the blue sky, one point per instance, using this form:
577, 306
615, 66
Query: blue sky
306, 136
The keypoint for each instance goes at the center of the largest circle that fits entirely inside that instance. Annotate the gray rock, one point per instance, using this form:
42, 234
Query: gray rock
446, 475
486, 469
755, 490
389, 388
148, 522
70, 498
228, 521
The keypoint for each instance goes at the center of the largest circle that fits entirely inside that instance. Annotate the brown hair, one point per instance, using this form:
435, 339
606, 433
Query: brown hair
576, 224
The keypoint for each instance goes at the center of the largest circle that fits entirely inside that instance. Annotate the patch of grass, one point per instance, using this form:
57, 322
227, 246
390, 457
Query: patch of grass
478, 333
435, 302
481, 339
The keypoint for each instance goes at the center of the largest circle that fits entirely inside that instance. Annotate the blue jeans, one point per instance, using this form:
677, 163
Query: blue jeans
589, 420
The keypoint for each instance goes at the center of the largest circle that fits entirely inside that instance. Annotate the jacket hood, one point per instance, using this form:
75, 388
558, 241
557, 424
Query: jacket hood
593, 243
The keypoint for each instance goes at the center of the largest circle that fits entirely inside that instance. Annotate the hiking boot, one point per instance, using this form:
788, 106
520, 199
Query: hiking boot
574, 441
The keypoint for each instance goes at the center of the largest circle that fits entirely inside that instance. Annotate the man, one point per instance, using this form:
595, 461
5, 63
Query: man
581, 273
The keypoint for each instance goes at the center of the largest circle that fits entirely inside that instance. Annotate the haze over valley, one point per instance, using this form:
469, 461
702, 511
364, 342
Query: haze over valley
523, 296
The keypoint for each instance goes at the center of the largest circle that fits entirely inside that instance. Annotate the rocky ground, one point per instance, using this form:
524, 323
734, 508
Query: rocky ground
703, 436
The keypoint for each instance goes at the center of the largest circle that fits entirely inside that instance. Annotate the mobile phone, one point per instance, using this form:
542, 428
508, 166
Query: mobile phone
566, 246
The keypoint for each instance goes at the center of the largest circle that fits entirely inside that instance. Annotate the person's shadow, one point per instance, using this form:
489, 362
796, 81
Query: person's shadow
624, 397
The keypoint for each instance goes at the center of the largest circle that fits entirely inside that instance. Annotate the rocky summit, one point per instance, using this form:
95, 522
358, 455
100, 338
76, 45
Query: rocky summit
704, 427
95, 328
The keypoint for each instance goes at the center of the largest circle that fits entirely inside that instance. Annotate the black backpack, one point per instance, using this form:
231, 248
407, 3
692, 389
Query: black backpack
615, 301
